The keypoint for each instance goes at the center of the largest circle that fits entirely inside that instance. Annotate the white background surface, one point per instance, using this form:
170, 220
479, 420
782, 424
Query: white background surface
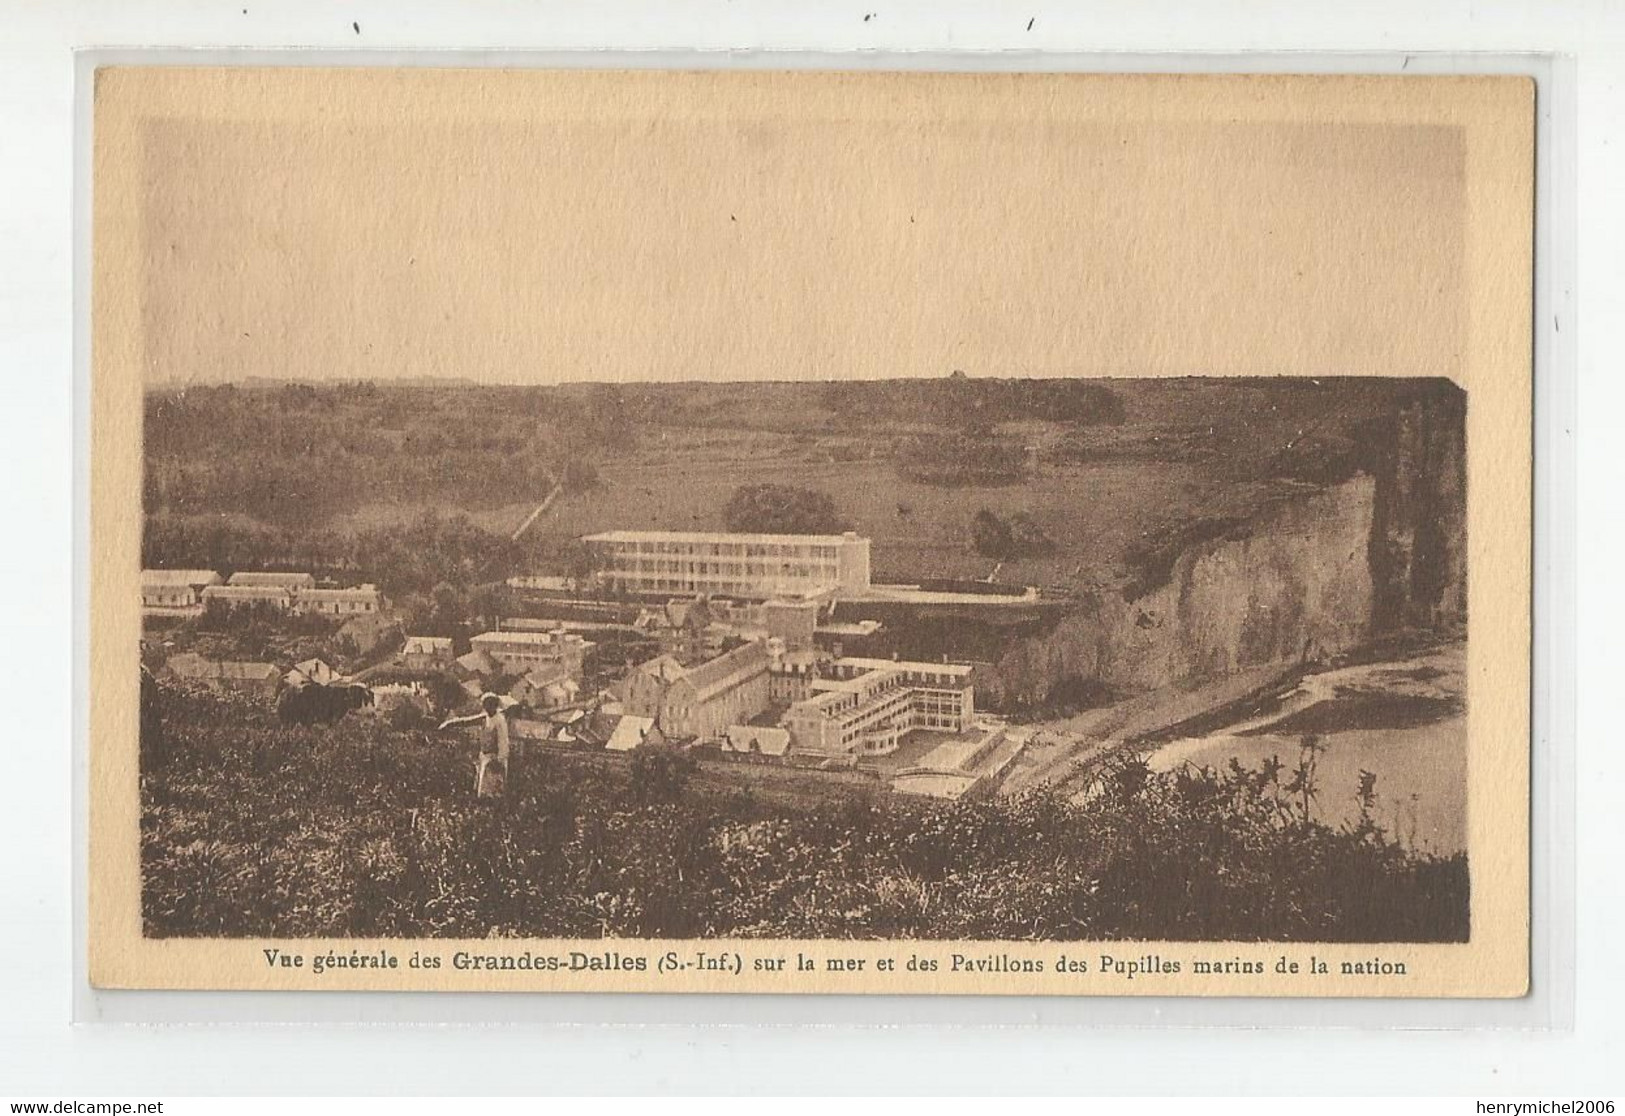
42, 1054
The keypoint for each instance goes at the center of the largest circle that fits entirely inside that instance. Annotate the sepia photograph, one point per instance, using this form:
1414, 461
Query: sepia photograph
689, 531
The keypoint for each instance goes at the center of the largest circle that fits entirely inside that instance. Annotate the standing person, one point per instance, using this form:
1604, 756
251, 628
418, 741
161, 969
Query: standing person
493, 768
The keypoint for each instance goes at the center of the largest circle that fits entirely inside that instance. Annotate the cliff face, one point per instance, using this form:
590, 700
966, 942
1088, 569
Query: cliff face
1419, 528
1318, 574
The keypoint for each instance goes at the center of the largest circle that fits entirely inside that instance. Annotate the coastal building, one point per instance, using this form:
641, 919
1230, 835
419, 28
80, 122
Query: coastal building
866, 706
739, 565
701, 701
945, 694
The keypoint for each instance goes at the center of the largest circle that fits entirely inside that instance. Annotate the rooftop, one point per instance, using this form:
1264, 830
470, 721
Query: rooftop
477, 662
248, 592
914, 594
629, 732
178, 577
712, 674
958, 670
535, 639
723, 537
547, 674
722, 669
193, 665
426, 644
266, 577
849, 627
766, 741
664, 667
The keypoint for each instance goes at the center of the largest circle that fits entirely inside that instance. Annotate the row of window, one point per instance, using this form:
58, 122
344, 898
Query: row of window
335, 607
720, 712
725, 550
733, 569
690, 584
914, 677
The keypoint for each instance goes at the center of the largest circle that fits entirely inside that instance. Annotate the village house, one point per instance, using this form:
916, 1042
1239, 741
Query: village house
359, 600
311, 670
476, 665
545, 687
182, 590
427, 653
236, 596
594, 728
518, 652
254, 679
701, 701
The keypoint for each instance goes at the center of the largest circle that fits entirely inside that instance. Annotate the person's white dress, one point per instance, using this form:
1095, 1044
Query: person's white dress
488, 782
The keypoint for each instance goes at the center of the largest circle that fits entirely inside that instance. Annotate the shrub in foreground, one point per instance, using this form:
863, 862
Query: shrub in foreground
253, 828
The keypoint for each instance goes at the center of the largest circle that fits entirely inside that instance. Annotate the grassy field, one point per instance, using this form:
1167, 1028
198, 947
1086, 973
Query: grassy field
1096, 512
669, 456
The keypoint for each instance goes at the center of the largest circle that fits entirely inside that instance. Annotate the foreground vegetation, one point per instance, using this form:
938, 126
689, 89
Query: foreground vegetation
252, 828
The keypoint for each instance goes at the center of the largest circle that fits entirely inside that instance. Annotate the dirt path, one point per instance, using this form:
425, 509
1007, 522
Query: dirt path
541, 509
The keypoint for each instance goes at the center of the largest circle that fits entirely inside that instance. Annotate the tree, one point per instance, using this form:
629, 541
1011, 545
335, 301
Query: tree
493, 603
450, 607
990, 535
1019, 537
580, 564
1031, 540
781, 509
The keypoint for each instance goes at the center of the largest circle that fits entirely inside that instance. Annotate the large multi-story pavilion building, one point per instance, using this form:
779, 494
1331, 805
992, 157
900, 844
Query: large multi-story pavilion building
866, 706
732, 565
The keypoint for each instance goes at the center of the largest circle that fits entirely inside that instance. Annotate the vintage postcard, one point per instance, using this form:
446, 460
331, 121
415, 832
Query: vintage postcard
810, 532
